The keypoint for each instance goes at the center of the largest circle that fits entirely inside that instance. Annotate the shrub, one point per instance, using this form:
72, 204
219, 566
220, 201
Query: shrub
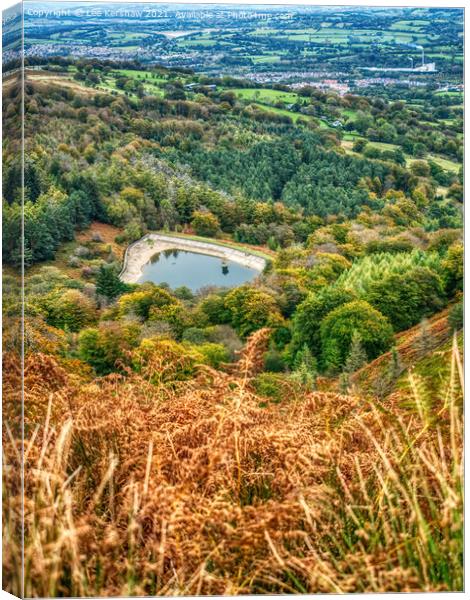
392, 246
441, 240
359, 145
141, 301
82, 251
267, 385
194, 335
165, 361
103, 346
214, 308
213, 354
274, 362
338, 327
74, 262
69, 309
96, 237
175, 314
420, 168
225, 335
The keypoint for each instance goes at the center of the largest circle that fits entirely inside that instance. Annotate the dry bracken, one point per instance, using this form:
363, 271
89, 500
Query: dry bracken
199, 488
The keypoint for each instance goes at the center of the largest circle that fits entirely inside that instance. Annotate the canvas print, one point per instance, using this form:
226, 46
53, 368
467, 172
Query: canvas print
232, 299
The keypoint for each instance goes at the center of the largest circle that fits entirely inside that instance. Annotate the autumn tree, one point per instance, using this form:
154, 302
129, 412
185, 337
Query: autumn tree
251, 309
205, 223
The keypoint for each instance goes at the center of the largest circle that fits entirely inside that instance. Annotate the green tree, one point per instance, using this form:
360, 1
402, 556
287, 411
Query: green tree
359, 145
452, 266
104, 346
355, 360
357, 356
386, 380
420, 168
424, 342
309, 314
406, 298
338, 327
213, 309
455, 317
108, 283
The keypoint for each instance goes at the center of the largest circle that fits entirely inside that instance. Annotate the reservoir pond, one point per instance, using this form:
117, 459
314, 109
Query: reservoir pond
194, 270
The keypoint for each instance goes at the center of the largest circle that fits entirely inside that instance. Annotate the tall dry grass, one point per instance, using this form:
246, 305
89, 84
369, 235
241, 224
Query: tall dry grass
133, 488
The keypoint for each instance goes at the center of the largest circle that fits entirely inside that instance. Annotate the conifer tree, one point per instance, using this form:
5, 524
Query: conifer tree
108, 283
356, 359
357, 356
423, 342
305, 368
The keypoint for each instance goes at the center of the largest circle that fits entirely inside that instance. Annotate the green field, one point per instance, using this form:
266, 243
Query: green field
415, 25
201, 42
347, 112
266, 59
123, 37
265, 95
144, 76
281, 111
445, 163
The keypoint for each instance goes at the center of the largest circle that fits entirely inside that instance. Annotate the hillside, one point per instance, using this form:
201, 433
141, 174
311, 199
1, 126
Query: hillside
197, 489
288, 424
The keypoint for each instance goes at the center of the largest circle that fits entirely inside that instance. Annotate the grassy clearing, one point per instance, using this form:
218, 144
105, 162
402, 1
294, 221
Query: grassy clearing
383, 146
144, 76
281, 111
454, 94
265, 95
347, 112
445, 163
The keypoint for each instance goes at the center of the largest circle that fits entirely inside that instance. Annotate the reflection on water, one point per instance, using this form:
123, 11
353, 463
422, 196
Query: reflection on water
194, 270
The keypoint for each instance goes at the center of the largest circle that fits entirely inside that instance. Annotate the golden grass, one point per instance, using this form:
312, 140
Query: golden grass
136, 489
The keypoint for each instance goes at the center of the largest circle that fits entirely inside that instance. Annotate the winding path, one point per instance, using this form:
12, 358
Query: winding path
140, 252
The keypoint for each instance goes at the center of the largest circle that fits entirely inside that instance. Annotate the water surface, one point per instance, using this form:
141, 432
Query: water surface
194, 270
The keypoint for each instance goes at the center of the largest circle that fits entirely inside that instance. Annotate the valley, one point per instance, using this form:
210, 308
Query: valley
242, 259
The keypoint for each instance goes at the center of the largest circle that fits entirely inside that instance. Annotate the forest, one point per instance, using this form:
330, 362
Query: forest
267, 438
